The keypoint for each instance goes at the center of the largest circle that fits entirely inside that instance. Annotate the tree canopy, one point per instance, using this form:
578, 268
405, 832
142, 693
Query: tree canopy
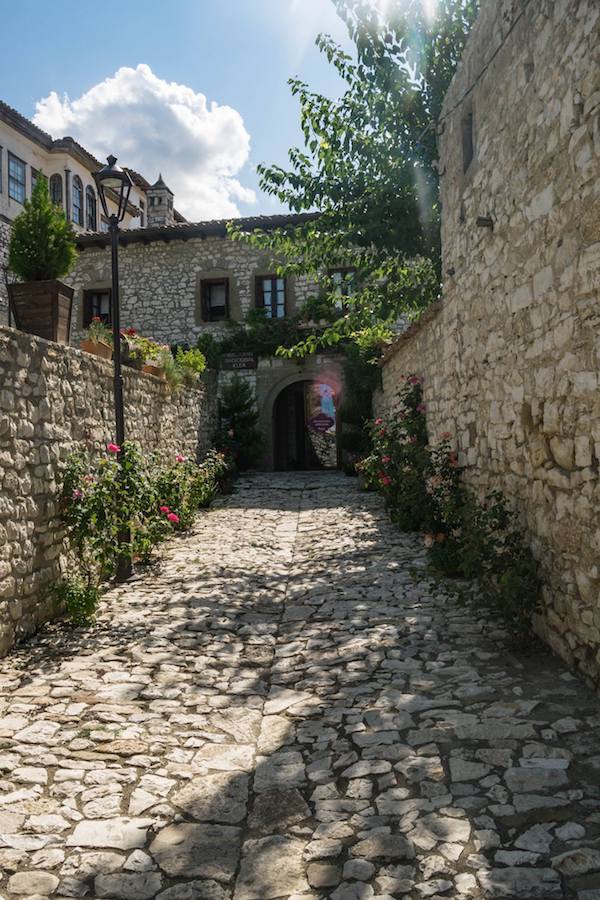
369, 165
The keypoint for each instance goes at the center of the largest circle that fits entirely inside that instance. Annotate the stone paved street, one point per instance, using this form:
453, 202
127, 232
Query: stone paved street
289, 707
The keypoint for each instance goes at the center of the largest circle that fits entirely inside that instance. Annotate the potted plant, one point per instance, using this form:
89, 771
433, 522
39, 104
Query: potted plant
98, 339
40, 252
129, 352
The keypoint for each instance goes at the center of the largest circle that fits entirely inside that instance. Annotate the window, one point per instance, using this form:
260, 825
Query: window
142, 214
215, 299
343, 285
270, 295
16, 178
91, 219
56, 189
468, 140
77, 211
96, 303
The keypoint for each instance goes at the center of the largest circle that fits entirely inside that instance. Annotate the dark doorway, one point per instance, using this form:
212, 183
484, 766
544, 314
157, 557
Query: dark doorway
298, 443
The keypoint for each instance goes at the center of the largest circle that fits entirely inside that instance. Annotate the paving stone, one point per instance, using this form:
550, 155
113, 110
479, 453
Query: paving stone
532, 884
214, 798
290, 675
209, 851
123, 834
277, 811
30, 883
271, 867
384, 846
141, 886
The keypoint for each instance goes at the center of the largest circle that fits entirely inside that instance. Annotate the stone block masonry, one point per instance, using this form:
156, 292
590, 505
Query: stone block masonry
53, 400
4, 238
511, 354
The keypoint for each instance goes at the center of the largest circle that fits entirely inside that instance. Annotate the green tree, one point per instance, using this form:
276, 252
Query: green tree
42, 241
240, 436
369, 164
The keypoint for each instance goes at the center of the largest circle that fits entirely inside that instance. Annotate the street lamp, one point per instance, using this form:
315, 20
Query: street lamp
117, 183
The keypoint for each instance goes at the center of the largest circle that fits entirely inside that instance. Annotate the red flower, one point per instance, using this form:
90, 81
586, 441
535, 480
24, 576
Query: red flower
414, 379
385, 479
180, 457
130, 332
379, 421
172, 517
165, 509
96, 319
113, 448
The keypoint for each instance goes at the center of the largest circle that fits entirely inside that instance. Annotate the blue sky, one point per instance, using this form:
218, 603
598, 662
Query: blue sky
237, 53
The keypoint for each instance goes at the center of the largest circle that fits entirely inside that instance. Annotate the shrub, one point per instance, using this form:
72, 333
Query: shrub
423, 490
42, 240
79, 598
140, 497
239, 436
191, 362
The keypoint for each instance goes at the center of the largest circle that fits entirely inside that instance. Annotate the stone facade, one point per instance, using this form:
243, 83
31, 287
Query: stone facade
160, 282
4, 238
55, 399
160, 290
511, 354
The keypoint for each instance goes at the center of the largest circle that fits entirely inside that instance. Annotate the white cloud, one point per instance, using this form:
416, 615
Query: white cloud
157, 126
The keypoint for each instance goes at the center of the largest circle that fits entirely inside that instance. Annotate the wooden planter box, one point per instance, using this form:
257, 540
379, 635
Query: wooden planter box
97, 348
151, 369
42, 308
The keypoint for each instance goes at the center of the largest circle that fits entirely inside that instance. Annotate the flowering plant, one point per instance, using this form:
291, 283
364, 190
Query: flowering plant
99, 332
423, 490
125, 492
398, 459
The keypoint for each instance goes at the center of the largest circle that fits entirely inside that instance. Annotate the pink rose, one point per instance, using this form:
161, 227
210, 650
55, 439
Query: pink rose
113, 448
180, 458
421, 408
386, 459
165, 509
172, 517
379, 421
385, 479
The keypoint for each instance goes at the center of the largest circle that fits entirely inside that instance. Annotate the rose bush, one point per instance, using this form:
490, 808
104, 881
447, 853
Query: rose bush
423, 491
125, 492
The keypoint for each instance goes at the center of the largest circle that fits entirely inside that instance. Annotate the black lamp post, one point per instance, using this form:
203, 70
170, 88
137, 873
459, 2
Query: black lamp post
113, 179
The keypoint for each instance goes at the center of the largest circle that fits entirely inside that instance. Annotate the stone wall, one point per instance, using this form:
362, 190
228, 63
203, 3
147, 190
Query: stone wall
160, 284
4, 237
511, 354
53, 400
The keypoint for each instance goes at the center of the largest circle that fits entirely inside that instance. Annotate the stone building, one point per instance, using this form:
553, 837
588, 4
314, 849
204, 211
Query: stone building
511, 355
26, 150
181, 280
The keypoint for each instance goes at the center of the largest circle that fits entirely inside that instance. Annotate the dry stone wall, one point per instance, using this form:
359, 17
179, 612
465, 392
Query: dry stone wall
55, 399
511, 355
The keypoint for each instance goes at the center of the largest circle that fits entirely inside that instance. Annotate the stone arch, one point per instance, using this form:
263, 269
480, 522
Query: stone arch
303, 372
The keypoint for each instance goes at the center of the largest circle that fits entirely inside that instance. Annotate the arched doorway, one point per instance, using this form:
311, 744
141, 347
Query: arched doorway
305, 426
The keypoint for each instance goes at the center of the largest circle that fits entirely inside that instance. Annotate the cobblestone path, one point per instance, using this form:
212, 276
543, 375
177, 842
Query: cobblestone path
290, 708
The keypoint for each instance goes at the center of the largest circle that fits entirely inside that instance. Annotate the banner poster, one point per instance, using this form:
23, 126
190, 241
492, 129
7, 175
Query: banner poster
321, 420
